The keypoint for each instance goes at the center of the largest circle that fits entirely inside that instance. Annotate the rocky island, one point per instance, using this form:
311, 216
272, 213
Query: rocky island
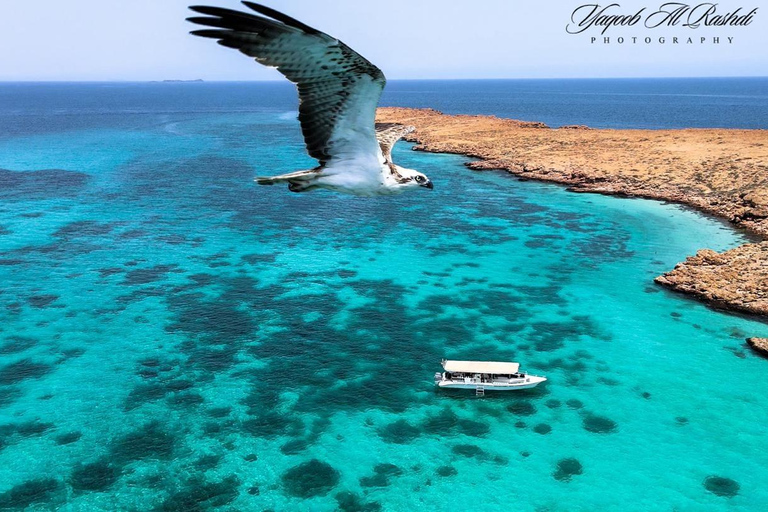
723, 172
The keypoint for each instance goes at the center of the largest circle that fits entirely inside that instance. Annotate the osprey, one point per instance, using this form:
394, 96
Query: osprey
338, 93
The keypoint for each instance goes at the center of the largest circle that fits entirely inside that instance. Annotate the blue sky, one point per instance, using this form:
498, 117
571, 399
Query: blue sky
148, 40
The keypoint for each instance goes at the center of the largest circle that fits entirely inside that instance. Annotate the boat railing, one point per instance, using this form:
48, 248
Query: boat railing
503, 380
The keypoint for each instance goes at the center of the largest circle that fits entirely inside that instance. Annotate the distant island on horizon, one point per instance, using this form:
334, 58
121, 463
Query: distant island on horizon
177, 81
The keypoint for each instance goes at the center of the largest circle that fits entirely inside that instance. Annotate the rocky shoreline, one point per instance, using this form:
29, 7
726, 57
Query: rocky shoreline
759, 345
723, 172
736, 280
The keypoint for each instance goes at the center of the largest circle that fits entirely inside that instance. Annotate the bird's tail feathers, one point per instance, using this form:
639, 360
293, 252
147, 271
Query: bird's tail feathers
298, 176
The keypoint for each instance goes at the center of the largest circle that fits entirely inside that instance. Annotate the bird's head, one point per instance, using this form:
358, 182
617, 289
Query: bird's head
412, 179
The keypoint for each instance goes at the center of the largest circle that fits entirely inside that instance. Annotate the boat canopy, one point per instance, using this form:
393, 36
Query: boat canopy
493, 367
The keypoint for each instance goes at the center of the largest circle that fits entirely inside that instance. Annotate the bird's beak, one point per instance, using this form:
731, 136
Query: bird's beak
428, 185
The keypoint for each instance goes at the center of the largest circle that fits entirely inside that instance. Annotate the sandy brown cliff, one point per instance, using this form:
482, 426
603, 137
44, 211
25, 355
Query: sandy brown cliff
720, 171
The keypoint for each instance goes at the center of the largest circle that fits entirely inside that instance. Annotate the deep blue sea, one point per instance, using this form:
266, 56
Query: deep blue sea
173, 337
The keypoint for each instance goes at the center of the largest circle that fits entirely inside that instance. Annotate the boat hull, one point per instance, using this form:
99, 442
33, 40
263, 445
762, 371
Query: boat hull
528, 383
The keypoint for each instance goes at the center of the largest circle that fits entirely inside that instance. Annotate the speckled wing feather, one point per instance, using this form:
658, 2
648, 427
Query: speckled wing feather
388, 134
338, 88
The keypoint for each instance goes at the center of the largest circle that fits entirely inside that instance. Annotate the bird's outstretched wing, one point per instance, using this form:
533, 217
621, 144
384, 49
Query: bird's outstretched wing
338, 88
388, 134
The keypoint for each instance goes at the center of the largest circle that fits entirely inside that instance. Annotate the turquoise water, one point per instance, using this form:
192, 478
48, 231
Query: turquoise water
174, 338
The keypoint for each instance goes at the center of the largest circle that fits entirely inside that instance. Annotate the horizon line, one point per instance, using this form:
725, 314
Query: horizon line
278, 80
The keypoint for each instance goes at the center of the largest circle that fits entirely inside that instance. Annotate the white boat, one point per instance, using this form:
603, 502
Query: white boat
485, 376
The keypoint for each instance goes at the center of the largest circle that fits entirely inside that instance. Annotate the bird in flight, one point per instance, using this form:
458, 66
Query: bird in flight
338, 93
